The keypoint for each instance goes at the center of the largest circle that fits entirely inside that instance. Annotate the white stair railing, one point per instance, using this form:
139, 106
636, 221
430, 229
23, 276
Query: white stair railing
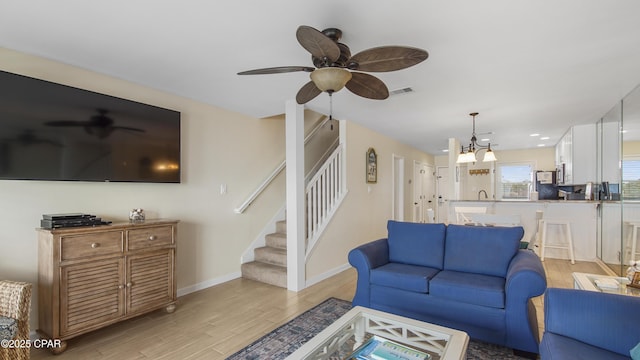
254, 195
324, 193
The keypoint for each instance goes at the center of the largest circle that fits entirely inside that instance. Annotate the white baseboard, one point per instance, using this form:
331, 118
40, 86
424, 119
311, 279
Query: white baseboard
222, 279
326, 275
207, 284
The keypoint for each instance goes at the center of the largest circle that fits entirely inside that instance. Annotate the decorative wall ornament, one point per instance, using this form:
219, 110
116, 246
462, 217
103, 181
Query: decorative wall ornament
479, 172
372, 166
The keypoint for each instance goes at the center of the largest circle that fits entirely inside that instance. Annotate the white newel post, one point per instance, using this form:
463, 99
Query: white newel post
294, 135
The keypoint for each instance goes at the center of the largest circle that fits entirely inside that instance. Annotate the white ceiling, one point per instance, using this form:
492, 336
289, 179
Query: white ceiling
527, 66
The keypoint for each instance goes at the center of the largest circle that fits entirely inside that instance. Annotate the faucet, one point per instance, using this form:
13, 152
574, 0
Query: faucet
485, 194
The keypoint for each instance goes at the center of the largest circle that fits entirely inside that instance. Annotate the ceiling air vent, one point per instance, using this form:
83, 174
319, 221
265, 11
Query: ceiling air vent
400, 91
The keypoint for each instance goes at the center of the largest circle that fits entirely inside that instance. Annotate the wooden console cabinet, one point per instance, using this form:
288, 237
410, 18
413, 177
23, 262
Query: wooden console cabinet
91, 277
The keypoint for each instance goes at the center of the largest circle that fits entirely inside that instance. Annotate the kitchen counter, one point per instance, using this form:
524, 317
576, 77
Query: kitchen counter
581, 213
532, 201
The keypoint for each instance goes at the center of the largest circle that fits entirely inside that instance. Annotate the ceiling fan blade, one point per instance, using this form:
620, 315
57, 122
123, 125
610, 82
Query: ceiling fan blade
127, 128
66, 123
367, 86
307, 93
387, 58
317, 43
277, 70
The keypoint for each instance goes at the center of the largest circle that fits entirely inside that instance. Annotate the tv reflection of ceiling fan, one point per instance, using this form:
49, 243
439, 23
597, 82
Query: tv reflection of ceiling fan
99, 125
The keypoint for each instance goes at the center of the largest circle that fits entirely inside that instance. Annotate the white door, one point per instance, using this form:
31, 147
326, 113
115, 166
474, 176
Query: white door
442, 188
423, 193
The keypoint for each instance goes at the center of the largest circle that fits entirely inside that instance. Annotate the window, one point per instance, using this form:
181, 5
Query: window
514, 181
631, 178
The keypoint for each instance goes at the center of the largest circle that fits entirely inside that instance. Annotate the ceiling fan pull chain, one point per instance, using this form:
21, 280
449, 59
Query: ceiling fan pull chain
331, 109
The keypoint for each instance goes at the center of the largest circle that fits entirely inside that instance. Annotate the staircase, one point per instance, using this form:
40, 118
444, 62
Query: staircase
270, 264
324, 193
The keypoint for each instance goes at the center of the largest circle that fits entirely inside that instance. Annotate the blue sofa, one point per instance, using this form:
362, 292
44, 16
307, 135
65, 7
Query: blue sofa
580, 324
470, 278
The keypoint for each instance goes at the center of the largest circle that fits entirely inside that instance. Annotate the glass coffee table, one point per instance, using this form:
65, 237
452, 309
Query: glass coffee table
604, 283
355, 327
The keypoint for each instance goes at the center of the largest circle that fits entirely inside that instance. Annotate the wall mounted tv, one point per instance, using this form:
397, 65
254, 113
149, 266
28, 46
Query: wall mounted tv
50, 131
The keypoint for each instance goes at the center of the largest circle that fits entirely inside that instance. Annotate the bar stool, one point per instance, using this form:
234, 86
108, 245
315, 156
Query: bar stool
431, 216
535, 244
633, 239
567, 230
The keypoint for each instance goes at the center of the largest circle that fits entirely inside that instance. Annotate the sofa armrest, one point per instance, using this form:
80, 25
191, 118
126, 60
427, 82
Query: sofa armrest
364, 258
525, 279
607, 321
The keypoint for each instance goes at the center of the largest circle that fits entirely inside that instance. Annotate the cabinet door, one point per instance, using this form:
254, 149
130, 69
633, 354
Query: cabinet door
584, 154
150, 282
91, 294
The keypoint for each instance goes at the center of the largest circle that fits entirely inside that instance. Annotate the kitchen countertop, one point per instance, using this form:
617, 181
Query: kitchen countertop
582, 214
534, 201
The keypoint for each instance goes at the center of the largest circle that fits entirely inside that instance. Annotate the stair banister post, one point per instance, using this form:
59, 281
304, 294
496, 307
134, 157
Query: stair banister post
294, 137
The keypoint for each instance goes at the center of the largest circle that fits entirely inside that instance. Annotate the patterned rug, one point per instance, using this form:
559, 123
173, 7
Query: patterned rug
284, 340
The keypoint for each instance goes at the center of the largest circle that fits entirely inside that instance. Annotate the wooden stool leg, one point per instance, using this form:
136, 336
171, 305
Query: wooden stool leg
543, 240
570, 239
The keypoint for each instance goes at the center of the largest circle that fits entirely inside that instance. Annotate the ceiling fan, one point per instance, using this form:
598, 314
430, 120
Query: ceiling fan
335, 68
99, 125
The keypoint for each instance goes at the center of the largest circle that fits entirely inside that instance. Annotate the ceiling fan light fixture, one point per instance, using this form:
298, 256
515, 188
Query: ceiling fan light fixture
330, 79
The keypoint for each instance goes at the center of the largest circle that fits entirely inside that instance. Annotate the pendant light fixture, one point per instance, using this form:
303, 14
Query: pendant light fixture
469, 155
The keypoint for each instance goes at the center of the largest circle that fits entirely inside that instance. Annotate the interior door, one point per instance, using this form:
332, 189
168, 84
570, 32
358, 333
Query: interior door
442, 189
424, 193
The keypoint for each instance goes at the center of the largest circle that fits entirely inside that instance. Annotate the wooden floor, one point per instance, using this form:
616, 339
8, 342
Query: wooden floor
216, 322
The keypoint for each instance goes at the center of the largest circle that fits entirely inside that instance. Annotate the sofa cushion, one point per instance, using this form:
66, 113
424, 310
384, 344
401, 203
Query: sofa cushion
481, 250
403, 276
416, 244
477, 289
560, 347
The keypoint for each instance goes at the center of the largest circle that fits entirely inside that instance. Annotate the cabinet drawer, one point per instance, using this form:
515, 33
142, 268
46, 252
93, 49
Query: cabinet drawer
92, 244
150, 237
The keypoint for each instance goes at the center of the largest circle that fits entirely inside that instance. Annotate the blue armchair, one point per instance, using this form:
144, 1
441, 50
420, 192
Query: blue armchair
580, 324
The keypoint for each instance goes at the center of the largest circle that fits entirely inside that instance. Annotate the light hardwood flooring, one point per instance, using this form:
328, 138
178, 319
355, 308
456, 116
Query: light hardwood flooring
216, 322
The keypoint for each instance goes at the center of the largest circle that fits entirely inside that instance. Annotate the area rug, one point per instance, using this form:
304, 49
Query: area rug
284, 340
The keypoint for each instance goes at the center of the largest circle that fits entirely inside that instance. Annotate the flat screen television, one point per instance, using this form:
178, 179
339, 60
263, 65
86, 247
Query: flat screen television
50, 131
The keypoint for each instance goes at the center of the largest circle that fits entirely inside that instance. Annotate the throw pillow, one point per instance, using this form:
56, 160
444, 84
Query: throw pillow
416, 243
481, 250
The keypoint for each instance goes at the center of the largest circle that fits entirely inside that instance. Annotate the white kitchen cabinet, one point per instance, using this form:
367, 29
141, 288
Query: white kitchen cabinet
577, 151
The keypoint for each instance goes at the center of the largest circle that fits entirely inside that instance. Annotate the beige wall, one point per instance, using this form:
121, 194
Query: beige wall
364, 214
211, 237
631, 148
543, 158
